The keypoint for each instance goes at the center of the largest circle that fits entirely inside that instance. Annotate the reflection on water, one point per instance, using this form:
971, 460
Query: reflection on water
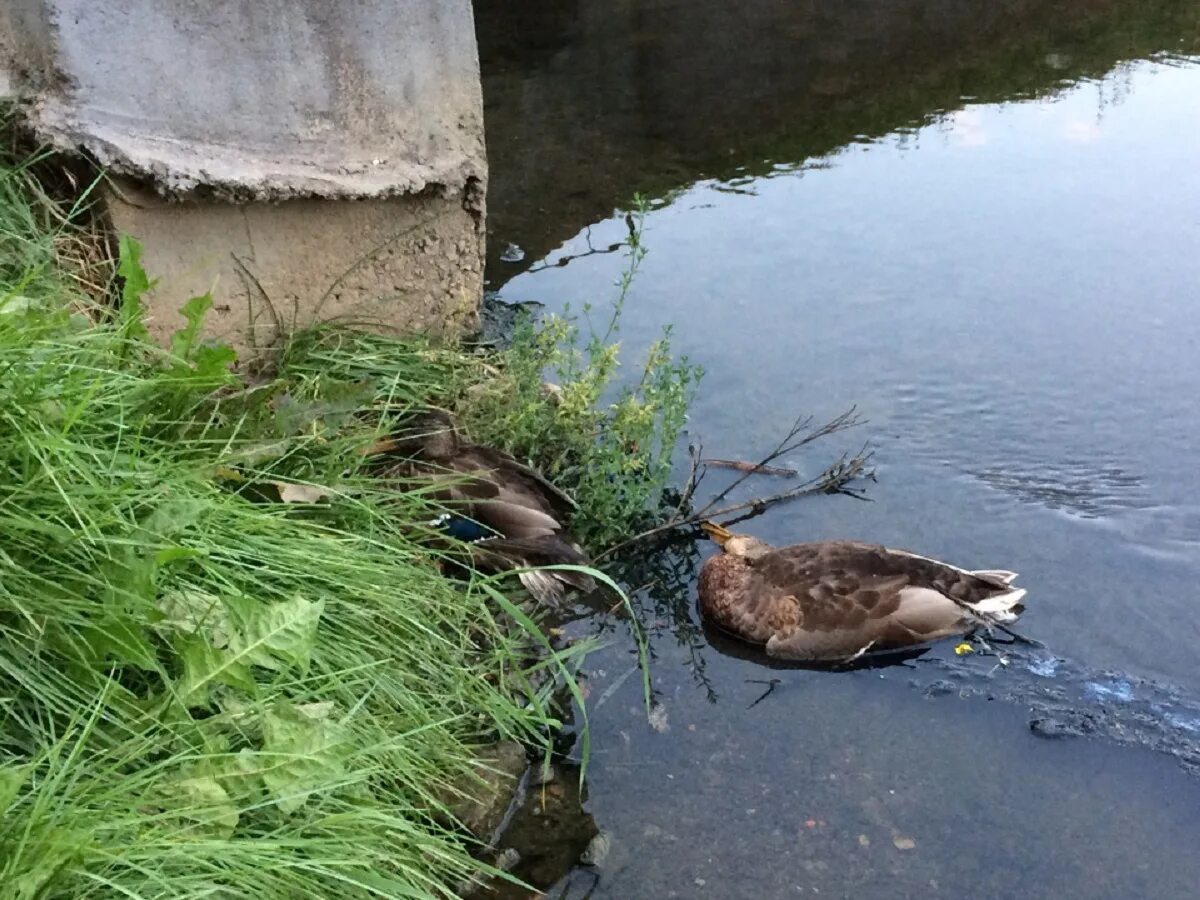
588, 102
979, 222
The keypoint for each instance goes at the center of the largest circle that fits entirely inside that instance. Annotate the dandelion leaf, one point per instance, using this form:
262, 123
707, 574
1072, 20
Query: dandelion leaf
204, 665
275, 636
200, 809
304, 751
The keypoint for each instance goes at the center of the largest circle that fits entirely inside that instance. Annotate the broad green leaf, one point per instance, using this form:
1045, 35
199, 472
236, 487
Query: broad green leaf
184, 340
304, 751
212, 361
173, 516
39, 867
97, 643
12, 779
191, 611
135, 283
336, 405
204, 665
120, 638
200, 808
275, 636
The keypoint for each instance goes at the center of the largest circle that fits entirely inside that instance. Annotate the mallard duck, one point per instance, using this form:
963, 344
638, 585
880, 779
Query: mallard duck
509, 516
833, 601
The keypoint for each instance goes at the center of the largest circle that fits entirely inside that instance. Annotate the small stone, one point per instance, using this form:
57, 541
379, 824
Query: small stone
507, 860
597, 849
700, 882
864, 841
904, 843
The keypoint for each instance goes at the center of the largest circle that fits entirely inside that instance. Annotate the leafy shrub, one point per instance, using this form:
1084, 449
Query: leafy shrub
609, 440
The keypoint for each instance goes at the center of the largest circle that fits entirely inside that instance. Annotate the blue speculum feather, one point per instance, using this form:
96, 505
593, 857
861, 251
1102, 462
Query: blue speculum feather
465, 529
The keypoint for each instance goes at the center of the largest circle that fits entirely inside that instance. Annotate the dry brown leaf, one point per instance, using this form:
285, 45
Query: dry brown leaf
290, 492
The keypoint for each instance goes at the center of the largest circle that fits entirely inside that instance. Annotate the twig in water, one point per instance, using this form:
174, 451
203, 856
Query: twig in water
833, 480
752, 468
771, 685
798, 436
695, 475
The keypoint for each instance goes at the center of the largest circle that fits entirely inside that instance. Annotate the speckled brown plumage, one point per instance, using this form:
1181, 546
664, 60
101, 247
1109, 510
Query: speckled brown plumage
831, 600
524, 511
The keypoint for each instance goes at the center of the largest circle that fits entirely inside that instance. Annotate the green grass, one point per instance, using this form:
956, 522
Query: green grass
205, 692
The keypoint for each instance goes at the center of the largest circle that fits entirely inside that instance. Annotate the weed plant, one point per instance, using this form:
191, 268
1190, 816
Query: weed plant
205, 691
558, 399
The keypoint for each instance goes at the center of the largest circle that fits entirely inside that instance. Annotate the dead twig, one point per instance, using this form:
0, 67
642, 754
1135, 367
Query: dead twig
752, 468
771, 685
834, 480
695, 474
798, 436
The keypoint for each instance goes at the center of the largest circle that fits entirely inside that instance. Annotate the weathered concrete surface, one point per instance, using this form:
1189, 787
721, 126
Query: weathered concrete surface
259, 98
374, 104
401, 264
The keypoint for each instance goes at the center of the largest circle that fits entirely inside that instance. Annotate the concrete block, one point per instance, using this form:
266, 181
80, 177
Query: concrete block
303, 138
403, 264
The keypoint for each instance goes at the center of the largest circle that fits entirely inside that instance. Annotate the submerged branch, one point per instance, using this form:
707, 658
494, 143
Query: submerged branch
752, 468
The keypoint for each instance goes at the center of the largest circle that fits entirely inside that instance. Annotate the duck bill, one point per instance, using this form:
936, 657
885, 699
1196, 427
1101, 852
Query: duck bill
717, 533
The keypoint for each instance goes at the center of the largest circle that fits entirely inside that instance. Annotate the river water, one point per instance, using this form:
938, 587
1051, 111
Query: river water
980, 223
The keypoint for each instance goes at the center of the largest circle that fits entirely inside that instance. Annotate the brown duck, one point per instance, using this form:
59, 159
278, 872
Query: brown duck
833, 601
508, 515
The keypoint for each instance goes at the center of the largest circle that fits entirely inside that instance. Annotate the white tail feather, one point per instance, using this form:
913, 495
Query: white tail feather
1000, 608
1002, 575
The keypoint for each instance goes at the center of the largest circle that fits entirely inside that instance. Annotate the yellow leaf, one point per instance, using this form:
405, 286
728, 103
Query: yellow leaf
964, 648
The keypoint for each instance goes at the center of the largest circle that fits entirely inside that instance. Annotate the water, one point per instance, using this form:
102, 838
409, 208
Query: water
980, 223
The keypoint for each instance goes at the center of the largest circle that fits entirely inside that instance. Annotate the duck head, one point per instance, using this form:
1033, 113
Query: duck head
743, 546
431, 433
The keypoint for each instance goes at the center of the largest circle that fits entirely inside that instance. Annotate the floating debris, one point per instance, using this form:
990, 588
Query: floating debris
963, 649
658, 718
1045, 667
512, 254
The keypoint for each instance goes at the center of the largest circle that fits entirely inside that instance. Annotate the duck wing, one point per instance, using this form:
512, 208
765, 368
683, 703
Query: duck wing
836, 599
500, 506
503, 554
507, 471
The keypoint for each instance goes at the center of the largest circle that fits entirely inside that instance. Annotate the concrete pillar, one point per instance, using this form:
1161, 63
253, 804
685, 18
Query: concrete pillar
299, 158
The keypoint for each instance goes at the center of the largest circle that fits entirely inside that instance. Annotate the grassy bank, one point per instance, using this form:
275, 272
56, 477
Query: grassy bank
229, 666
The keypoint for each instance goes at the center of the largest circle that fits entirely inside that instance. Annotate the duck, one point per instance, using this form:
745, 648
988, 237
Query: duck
506, 514
833, 601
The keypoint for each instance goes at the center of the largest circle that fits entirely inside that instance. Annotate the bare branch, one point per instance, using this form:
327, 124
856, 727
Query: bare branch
834, 480
798, 436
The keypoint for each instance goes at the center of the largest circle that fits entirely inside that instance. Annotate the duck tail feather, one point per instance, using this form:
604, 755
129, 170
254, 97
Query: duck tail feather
1002, 608
543, 586
1001, 575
